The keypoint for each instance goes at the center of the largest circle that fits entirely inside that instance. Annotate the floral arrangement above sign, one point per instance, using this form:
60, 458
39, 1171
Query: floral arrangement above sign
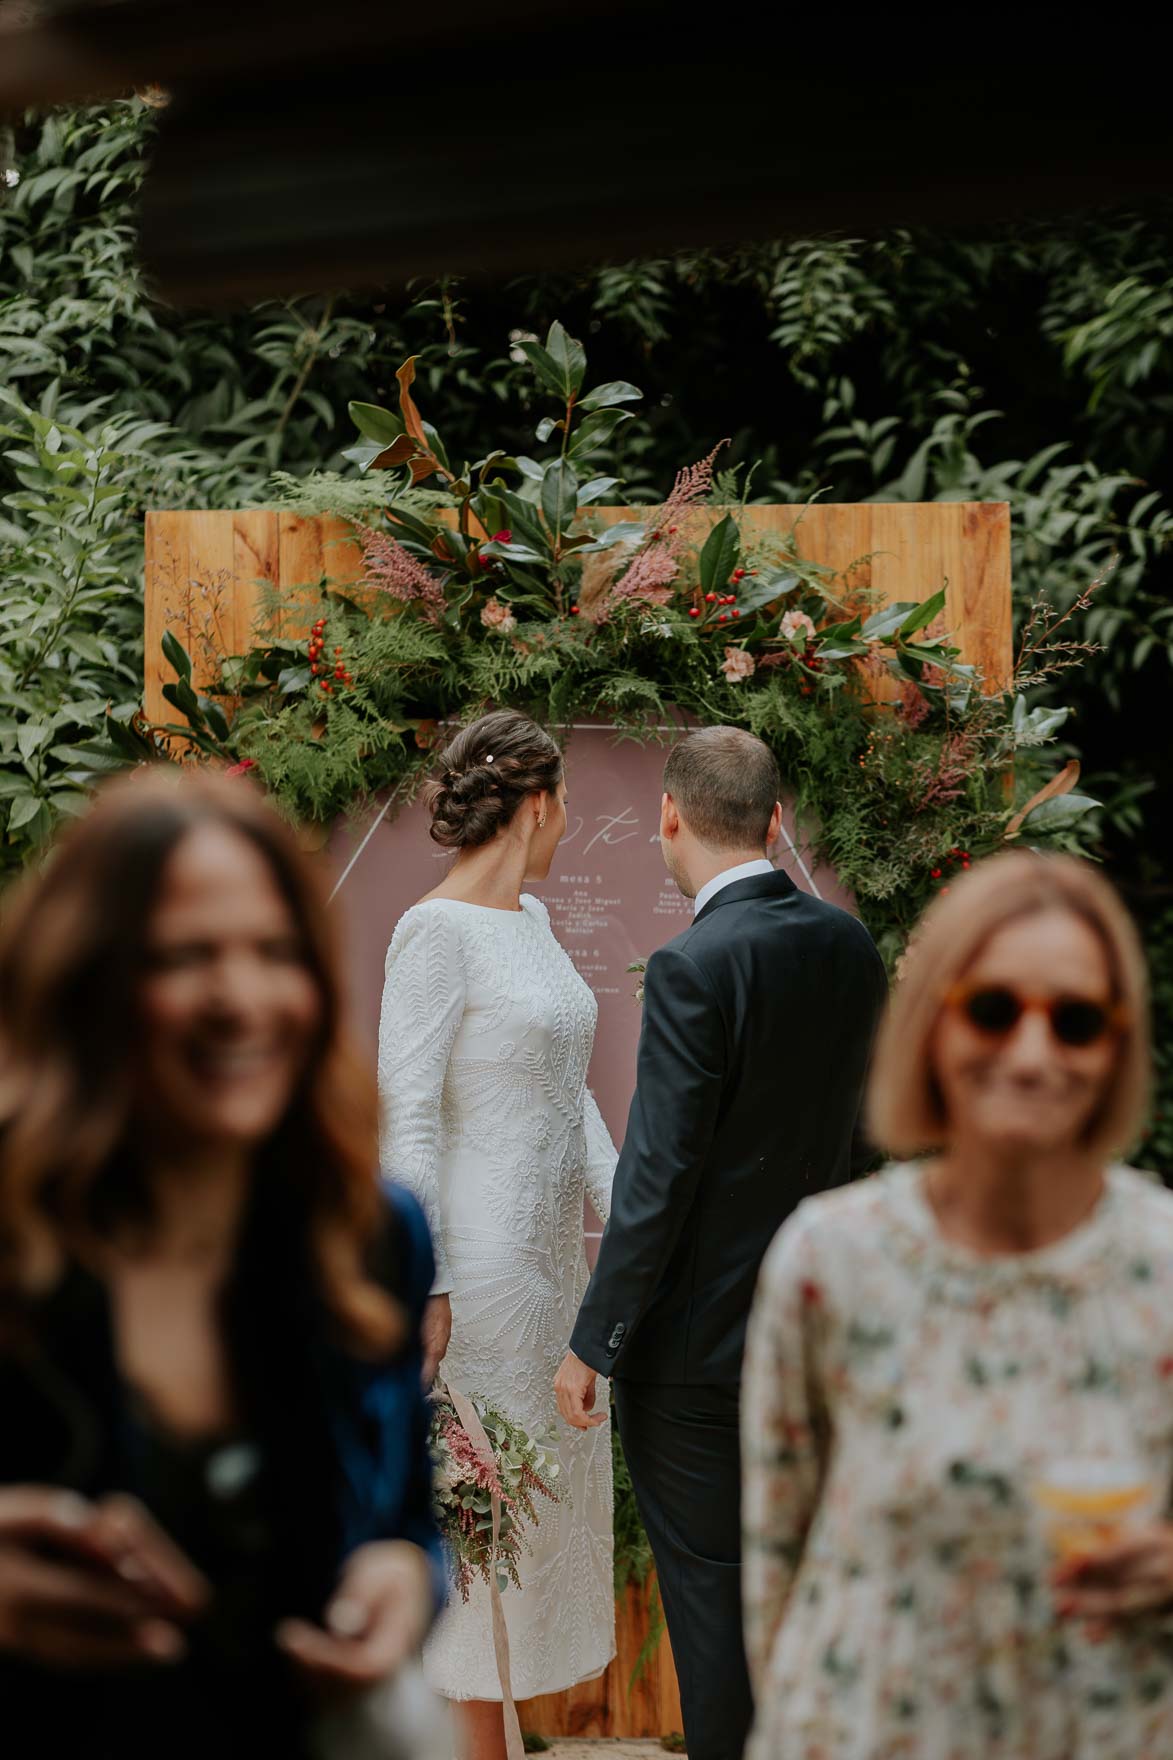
498, 581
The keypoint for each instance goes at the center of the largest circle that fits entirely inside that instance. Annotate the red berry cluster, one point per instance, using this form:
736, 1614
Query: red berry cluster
957, 861
336, 675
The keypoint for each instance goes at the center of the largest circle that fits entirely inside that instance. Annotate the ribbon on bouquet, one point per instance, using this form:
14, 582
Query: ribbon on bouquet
473, 1428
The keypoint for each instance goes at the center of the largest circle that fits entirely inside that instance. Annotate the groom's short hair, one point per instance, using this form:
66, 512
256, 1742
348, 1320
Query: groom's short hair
724, 782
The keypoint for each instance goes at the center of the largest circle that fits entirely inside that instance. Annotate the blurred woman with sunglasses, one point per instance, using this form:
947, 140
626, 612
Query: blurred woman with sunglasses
214, 1484
943, 1355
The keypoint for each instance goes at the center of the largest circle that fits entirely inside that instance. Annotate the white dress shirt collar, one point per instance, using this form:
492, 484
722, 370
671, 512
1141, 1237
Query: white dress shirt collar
717, 884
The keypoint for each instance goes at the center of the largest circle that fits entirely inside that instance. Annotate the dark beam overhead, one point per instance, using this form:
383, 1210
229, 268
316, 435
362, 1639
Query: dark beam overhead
352, 143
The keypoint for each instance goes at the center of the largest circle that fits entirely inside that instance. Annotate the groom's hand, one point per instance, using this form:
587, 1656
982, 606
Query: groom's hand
574, 1388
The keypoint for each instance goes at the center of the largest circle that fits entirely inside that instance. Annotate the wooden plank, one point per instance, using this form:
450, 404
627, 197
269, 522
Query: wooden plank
605, 1707
165, 574
256, 565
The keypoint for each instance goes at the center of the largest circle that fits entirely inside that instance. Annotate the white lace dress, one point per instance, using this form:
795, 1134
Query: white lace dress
485, 1037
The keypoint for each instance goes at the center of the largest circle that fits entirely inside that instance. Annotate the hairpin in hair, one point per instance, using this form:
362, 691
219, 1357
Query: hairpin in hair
489, 759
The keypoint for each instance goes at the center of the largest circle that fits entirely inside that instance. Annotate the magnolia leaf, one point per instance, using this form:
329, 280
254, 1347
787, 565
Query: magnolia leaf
761, 590
529, 467
607, 396
596, 488
176, 655
922, 616
398, 452
547, 426
719, 556
1060, 812
364, 454
412, 420
547, 369
559, 495
889, 620
596, 430
568, 356
375, 423
1061, 784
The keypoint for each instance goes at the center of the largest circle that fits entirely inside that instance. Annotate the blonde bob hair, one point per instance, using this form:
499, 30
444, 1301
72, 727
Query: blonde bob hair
905, 1107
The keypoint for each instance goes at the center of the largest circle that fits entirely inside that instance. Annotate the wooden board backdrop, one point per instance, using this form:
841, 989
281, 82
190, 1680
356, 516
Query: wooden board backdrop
204, 568
206, 576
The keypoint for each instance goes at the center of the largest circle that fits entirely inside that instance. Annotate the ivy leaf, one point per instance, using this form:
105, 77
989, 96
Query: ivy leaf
719, 556
607, 396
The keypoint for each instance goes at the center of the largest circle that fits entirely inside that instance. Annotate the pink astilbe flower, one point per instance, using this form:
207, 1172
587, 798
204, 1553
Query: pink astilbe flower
649, 577
391, 569
692, 484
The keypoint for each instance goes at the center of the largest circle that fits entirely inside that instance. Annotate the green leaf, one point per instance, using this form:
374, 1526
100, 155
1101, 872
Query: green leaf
547, 426
24, 807
375, 423
559, 495
923, 615
176, 655
596, 430
87, 758
596, 488
719, 556
547, 369
365, 454
569, 358
889, 620
31, 736
215, 717
753, 594
1059, 812
181, 696
607, 396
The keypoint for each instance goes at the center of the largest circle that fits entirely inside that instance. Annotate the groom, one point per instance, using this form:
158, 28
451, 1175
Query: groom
758, 1021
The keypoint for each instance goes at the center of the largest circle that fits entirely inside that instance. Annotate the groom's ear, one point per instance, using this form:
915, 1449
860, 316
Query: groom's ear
775, 830
669, 817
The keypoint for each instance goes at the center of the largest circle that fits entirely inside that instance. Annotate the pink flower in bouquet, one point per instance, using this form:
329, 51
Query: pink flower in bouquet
241, 769
797, 623
738, 665
496, 616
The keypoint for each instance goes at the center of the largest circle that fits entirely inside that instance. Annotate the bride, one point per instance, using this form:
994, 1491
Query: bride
484, 1042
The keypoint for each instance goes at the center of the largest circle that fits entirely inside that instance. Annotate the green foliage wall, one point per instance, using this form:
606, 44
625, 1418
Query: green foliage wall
1033, 364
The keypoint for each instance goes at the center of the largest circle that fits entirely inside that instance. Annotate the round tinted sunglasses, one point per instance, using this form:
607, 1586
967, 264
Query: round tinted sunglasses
996, 1009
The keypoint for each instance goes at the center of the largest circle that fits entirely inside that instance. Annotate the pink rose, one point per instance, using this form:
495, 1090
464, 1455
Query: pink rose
738, 665
496, 616
797, 623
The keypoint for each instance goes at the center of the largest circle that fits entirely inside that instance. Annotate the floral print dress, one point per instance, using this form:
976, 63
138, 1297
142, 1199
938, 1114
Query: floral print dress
901, 1395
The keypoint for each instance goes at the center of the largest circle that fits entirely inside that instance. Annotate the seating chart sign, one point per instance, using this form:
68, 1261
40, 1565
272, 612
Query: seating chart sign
610, 898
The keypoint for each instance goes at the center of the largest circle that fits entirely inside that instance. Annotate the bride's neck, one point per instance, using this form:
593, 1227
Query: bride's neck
492, 875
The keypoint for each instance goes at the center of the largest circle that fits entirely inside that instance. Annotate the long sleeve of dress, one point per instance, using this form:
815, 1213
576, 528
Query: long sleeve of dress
423, 1005
602, 1156
783, 1436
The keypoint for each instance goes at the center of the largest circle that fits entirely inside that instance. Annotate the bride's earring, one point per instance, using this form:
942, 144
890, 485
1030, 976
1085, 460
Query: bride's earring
542, 823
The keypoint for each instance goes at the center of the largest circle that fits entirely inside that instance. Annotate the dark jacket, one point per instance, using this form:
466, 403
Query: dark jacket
342, 1443
758, 1024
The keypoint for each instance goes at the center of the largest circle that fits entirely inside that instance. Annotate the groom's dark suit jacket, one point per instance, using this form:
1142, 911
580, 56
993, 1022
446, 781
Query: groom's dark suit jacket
758, 1023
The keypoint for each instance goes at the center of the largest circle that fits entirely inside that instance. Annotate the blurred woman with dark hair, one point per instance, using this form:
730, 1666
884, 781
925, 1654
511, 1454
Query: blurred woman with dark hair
214, 1483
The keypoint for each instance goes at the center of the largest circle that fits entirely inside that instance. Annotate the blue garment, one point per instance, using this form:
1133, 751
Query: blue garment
380, 1421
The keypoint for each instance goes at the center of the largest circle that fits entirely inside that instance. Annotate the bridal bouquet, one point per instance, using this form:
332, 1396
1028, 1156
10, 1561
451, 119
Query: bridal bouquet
519, 1469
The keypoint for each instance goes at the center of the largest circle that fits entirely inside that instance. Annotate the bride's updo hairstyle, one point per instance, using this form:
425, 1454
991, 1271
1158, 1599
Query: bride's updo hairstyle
487, 772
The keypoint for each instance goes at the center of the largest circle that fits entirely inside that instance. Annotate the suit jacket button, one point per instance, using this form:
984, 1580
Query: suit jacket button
616, 1338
